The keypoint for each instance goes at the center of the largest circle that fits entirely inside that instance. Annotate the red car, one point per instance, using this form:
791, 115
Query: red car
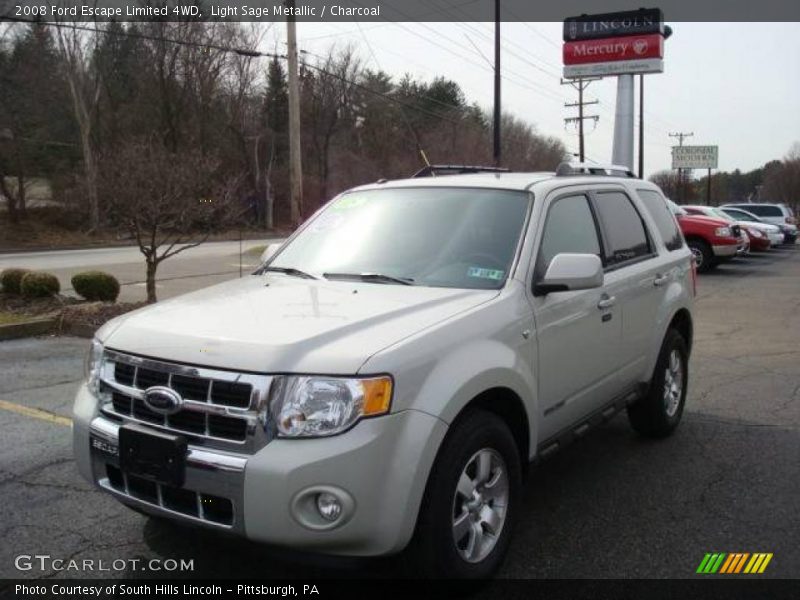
711, 240
758, 240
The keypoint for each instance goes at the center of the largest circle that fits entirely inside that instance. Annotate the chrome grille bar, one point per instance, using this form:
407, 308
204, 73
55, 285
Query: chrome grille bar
220, 424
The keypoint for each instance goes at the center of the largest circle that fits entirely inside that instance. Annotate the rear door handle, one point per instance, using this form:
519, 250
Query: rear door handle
661, 280
607, 302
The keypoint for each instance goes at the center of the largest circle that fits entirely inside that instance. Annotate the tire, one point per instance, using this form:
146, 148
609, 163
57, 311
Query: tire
476, 440
658, 413
703, 255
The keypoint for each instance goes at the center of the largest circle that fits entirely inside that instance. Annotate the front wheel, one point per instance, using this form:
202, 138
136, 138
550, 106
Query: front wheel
467, 514
658, 413
703, 255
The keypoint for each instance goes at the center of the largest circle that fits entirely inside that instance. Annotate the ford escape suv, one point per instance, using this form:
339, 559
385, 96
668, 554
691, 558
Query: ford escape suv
379, 383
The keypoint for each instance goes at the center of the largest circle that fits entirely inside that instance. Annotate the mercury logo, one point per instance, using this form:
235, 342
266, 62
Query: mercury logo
163, 400
640, 46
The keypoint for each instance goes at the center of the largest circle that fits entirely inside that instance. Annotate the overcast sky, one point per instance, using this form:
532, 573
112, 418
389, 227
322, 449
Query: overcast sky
735, 85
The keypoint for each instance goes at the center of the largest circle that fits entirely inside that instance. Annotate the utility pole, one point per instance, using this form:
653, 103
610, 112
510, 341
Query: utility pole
295, 159
641, 126
681, 136
497, 114
580, 85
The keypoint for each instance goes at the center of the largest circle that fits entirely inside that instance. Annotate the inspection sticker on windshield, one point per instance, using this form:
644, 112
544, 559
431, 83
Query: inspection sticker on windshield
349, 202
482, 273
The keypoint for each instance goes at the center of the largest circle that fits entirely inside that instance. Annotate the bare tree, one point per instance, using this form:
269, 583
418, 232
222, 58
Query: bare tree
167, 202
75, 48
668, 182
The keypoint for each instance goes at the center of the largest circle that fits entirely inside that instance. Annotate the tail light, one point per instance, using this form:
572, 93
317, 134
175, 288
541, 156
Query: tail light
694, 278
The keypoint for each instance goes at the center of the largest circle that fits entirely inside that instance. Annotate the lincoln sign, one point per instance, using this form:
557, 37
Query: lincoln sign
614, 44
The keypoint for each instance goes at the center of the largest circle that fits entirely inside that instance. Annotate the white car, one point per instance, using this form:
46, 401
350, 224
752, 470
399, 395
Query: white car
776, 214
776, 236
379, 383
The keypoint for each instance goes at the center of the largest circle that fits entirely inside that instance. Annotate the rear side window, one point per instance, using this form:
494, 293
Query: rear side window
656, 206
569, 227
625, 235
765, 211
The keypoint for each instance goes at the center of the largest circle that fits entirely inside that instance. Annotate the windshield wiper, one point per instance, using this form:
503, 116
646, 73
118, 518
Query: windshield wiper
291, 271
371, 277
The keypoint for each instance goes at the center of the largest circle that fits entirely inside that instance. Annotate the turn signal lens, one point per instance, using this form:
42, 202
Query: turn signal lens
377, 395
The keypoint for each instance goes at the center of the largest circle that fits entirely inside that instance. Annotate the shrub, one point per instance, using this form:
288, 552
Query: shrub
11, 279
96, 285
38, 284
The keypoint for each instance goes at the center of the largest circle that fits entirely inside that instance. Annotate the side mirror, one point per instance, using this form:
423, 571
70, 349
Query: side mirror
571, 272
270, 251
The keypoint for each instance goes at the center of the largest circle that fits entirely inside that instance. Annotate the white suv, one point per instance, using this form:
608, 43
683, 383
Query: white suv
381, 381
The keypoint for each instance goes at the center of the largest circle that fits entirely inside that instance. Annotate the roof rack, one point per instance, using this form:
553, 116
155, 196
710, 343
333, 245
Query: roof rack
567, 169
436, 170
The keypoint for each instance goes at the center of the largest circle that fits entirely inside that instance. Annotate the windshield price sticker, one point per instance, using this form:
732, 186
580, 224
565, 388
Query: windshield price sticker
482, 273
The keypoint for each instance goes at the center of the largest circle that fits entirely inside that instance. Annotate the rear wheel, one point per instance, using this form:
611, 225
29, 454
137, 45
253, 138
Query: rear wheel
658, 413
703, 255
467, 515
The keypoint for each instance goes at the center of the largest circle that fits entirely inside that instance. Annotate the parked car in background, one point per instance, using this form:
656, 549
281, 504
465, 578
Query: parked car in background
757, 234
712, 240
777, 237
776, 214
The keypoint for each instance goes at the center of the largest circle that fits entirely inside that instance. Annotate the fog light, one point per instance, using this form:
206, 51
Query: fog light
329, 506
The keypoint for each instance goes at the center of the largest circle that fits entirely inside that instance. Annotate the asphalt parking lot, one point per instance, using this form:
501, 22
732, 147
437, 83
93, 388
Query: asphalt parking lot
610, 506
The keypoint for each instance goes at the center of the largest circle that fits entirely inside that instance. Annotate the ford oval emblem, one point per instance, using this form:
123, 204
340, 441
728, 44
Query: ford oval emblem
163, 400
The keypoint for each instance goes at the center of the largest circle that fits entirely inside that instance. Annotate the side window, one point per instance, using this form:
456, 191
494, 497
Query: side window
569, 227
656, 206
626, 237
766, 211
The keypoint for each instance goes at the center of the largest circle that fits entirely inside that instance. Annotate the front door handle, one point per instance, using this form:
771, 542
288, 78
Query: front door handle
606, 302
661, 280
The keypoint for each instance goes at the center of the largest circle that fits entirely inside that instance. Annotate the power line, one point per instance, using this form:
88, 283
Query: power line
581, 85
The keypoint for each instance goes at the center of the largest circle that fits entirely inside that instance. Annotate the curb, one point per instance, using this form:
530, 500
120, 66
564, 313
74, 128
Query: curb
27, 329
77, 329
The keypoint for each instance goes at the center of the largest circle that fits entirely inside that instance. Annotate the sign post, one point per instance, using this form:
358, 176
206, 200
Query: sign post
622, 44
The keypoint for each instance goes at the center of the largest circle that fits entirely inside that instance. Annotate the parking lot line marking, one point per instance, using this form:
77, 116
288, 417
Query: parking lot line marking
36, 413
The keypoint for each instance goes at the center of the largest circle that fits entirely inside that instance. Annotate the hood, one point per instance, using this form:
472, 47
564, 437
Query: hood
707, 220
275, 323
766, 228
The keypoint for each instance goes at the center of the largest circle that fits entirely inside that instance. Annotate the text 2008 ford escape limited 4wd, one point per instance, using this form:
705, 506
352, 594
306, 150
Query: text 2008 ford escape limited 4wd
380, 382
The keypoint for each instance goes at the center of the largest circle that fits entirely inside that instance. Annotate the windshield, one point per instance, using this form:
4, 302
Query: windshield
718, 213
443, 237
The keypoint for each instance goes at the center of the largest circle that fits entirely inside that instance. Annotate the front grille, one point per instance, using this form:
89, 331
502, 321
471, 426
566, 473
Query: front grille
206, 507
219, 408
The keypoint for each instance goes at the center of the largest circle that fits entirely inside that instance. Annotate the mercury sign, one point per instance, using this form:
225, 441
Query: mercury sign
624, 43
694, 157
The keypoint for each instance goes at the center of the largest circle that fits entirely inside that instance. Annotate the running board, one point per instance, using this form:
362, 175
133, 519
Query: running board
552, 445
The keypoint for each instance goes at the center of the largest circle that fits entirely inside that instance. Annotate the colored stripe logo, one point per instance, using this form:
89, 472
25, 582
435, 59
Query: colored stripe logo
734, 563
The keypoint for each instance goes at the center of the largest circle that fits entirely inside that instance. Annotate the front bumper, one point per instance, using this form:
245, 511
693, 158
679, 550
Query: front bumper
379, 468
724, 250
776, 239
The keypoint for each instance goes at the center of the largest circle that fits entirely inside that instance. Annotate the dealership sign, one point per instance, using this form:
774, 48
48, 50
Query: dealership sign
631, 22
694, 157
619, 67
633, 47
621, 43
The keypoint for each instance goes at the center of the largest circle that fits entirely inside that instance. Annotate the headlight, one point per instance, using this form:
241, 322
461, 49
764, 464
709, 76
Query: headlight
723, 232
94, 363
321, 406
